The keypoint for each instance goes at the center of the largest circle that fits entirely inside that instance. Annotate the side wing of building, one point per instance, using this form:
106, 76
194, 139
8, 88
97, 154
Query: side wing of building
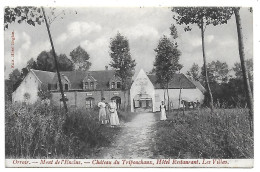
27, 90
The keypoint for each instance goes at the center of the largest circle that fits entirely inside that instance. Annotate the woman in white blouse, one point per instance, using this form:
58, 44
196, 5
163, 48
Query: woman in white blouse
102, 111
114, 120
163, 113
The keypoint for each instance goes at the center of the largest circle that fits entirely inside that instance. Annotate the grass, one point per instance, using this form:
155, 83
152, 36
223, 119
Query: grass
38, 131
200, 134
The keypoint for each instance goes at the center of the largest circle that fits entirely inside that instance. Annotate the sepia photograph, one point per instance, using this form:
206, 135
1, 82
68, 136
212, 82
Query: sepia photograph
162, 86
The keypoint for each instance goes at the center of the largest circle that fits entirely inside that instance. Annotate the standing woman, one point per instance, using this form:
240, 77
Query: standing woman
102, 111
107, 113
114, 120
163, 113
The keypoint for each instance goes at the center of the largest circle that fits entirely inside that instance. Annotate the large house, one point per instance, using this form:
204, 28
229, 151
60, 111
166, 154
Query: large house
81, 88
86, 88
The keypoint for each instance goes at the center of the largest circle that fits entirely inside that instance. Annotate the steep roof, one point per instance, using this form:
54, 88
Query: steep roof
199, 86
76, 78
178, 81
44, 76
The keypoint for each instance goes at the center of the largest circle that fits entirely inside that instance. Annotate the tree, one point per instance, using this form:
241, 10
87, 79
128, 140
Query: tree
217, 72
238, 71
65, 63
243, 66
166, 62
33, 15
193, 73
121, 60
45, 62
202, 16
81, 59
30, 15
152, 71
15, 78
31, 64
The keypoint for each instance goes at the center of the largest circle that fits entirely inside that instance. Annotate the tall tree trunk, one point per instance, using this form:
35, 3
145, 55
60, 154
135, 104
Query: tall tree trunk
124, 101
164, 95
179, 99
205, 67
243, 66
168, 96
56, 63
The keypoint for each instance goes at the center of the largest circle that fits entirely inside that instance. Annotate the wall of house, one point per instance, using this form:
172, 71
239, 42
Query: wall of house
78, 99
186, 94
29, 85
142, 85
108, 95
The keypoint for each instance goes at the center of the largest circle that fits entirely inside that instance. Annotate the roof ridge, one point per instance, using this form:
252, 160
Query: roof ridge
42, 71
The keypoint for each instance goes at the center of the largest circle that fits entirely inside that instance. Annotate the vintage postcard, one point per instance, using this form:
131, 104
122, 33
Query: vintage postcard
139, 86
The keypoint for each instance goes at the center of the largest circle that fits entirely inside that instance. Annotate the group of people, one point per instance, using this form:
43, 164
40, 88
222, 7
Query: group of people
108, 113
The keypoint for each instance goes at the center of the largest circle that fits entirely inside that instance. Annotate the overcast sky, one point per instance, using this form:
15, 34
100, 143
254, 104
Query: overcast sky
92, 29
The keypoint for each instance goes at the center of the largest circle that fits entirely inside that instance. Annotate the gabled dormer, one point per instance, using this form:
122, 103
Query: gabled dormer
66, 84
89, 82
115, 83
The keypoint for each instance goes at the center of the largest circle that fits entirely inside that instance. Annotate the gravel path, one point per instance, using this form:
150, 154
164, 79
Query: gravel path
135, 140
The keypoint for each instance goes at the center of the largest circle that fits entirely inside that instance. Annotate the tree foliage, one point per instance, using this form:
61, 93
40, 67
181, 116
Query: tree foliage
238, 71
122, 61
15, 78
202, 16
227, 93
195, 15
218, 72
45, 62
14, 75
80, 58
194, 73
166, 61
30, 15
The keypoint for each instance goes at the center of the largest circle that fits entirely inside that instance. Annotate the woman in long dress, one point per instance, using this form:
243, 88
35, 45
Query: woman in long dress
102, 111
114, 120
107, 114
163, 113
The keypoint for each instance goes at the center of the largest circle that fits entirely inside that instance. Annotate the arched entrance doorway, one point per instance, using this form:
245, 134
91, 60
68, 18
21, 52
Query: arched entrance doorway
143, 103
118, 101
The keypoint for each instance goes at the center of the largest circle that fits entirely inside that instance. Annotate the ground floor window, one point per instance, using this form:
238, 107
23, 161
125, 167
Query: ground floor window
89, 102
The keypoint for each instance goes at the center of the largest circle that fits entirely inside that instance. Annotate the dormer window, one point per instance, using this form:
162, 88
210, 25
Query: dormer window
113, 85
66, 87
91, 85
89, 82
118, 84
86, 86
